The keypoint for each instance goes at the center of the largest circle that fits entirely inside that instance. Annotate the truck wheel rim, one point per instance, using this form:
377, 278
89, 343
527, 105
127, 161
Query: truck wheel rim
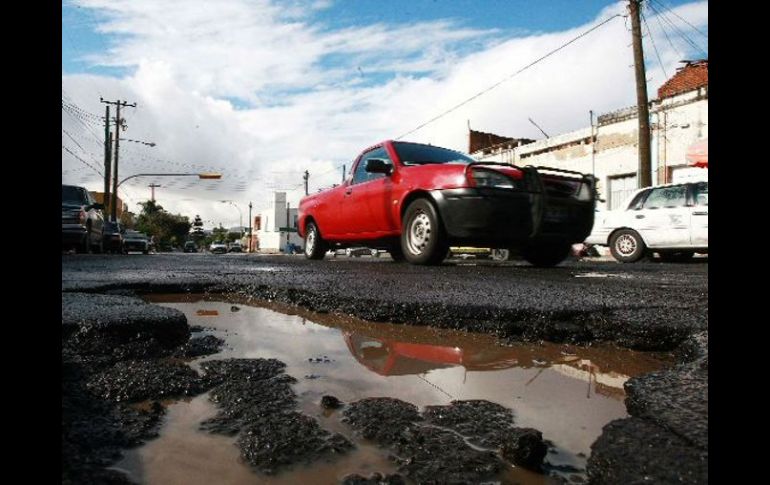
310, 242
419, 233
626, 245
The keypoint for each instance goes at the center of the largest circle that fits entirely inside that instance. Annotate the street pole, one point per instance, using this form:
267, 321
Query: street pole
107, 158
645, 156
152, 189
305, 178
593, 144
118, 124
114, 203
343, 173
250, 236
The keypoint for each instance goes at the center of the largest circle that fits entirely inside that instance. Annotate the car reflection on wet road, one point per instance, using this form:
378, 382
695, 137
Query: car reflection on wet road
567, 392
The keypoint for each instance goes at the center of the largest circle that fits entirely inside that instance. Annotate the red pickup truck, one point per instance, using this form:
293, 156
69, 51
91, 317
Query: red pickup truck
416, 200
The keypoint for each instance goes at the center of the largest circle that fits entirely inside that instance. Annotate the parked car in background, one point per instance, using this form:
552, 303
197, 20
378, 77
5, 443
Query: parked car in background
671, 220
135, 241
82, 221
218, 247
190, 247
415, 201
112, 237
235, 247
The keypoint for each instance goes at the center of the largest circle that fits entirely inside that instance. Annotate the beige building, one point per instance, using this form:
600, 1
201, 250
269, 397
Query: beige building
609, 150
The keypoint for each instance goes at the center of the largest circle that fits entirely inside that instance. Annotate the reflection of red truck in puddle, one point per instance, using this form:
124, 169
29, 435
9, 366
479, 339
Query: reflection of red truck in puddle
390, 357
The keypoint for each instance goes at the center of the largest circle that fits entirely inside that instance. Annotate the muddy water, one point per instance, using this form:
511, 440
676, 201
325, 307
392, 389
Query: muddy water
567, 392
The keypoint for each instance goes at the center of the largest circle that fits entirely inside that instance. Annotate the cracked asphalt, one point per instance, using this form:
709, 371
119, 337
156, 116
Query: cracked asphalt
647, 306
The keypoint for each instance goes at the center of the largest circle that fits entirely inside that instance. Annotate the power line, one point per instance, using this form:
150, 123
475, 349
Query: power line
664, 30
83, 161
680, 18
652, 40
510, 76
678, 30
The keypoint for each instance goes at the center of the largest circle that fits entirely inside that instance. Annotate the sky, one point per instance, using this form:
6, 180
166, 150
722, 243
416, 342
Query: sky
262, 90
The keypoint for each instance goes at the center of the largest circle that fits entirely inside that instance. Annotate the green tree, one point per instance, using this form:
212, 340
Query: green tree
169, 230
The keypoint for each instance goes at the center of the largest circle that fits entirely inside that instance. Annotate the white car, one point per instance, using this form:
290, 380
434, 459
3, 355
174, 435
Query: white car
672, 220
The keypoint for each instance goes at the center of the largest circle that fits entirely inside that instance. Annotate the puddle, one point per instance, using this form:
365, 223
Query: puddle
567, 392
602, 275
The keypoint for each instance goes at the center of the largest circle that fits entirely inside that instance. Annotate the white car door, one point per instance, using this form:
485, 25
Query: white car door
664, 219
700, 216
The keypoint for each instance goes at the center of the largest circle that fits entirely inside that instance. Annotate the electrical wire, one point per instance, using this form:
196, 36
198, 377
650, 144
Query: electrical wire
83, 161
652, 40
678, 30
490, 88
665, 32
680, 18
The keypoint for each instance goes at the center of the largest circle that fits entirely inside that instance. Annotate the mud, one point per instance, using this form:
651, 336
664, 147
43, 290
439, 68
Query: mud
435, 447
198, 346
94, 431
256, 401
374, 479
140, 380
381, 419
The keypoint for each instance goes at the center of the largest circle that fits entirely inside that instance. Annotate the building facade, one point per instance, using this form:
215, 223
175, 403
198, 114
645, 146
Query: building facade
609, 149
280, 215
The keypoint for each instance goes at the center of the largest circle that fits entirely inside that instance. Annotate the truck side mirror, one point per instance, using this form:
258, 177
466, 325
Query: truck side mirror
378, 165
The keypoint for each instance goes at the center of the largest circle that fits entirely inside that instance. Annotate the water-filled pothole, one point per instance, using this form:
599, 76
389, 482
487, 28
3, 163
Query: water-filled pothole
567, 392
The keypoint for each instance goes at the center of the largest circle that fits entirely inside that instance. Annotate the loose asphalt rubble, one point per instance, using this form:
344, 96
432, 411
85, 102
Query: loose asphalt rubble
118, 350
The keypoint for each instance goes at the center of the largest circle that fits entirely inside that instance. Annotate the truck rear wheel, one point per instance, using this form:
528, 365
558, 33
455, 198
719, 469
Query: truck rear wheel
315, 246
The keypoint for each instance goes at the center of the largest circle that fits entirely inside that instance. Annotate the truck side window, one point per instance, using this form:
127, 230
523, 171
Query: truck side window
361, 175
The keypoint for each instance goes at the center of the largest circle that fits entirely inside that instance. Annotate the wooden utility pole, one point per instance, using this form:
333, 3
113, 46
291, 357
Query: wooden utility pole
118, 124
645, 158
107, 158
306, 177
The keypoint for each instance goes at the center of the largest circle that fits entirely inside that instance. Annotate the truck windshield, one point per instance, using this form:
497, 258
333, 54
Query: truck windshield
73, 195
417, 154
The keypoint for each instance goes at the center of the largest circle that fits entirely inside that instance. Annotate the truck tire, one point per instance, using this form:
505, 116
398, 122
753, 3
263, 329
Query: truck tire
422, 237
315, 246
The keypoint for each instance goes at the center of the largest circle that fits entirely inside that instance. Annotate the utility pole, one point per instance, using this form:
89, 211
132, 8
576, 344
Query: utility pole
152, 189
248, 250
306, 177
343, 173
645, 158
119, 122
107, 158
593, 143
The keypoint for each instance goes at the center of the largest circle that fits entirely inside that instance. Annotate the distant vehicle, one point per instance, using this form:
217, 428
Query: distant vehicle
82, 221
235, 247
672, 220
415, 201
190, 247
112, 237
218, 247
135, 241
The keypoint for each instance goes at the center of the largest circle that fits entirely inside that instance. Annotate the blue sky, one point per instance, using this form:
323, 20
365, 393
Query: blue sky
262, 90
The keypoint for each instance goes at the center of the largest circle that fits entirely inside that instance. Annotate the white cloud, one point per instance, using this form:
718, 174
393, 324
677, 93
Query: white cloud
315, 95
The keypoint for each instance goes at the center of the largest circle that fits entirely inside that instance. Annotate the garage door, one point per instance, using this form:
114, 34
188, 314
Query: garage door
621, 188
689, 174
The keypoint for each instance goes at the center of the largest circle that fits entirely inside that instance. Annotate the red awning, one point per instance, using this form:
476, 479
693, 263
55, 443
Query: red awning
698, 154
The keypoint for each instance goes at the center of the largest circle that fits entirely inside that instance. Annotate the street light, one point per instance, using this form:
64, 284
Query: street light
202, 176
240, 213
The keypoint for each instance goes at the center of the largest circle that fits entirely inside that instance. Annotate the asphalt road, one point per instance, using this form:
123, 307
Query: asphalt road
648, 305
578, 300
